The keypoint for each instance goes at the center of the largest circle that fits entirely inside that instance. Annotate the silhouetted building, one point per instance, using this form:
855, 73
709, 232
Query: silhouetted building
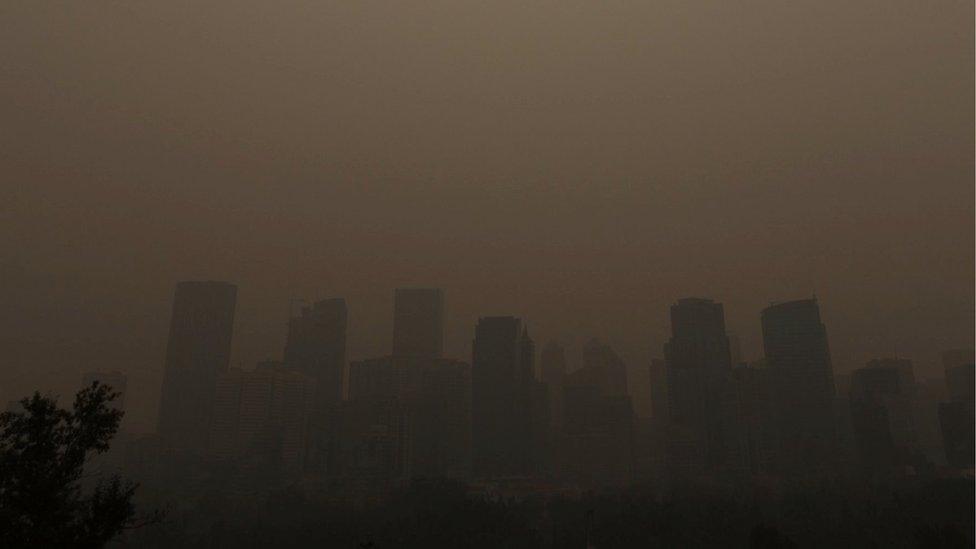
929, 393
418, 322
659, 389
260, 419
958, 422
959, 374
798, 358
316, 347
501, 399
432, 400
198, 351
698, 364
552, 365
751, 415
882, 415
957, 417
438, 434
599, 420
369, 444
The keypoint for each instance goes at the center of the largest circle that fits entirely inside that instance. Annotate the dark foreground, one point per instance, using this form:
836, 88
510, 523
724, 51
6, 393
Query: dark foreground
931, 513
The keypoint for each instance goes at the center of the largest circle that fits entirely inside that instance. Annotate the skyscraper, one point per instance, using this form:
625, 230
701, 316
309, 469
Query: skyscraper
552, 364
198, 351
958, 367
501, 392
316, 347
418, 322
698, 364
599, 419
956, 416
882, 413
659, 389
802, 377
260, 418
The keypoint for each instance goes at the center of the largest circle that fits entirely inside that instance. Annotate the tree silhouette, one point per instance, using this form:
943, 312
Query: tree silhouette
43, 449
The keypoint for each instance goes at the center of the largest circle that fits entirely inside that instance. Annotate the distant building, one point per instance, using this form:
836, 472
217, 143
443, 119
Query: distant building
960, 375
598, 430
502, 380
957, 417
198, 351
552, 366
430, 403
698, 362
753, 435
316, 347
659, 389
958, 422
261, 417
418, 322
798, 358
882, 413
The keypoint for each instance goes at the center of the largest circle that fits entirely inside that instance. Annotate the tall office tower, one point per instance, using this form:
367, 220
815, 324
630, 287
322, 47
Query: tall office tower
438, 428
698, 364
198, 351
606, 368
752, 418
501, 399
552, 363
114, 379
802, 378
428, 401
260, 419
418, 322
316, 347
959, 374
659, 389
882, 414
599, 419
957, 416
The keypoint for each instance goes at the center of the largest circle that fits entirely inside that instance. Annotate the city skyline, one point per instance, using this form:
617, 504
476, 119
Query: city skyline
928, 366
430, 273
581, 168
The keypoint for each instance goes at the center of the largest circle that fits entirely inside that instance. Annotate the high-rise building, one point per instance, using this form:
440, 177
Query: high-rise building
882, 414
698, 365
501, 393
957, 420
659, 389
552, 364
960, 374
261, 417
316, 347
418, 322
198, 351
957, 417
801, 375
430, 403
599, 419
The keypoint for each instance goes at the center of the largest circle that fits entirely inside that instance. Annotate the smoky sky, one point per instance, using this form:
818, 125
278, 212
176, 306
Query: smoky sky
578, 164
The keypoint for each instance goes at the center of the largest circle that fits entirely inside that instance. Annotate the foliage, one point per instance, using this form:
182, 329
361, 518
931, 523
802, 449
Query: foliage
43, 451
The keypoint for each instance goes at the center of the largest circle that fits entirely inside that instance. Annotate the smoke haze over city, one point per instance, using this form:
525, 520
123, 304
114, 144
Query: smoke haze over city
582, 167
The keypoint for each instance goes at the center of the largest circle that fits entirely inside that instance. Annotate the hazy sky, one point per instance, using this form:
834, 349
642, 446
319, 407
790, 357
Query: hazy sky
581, 164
